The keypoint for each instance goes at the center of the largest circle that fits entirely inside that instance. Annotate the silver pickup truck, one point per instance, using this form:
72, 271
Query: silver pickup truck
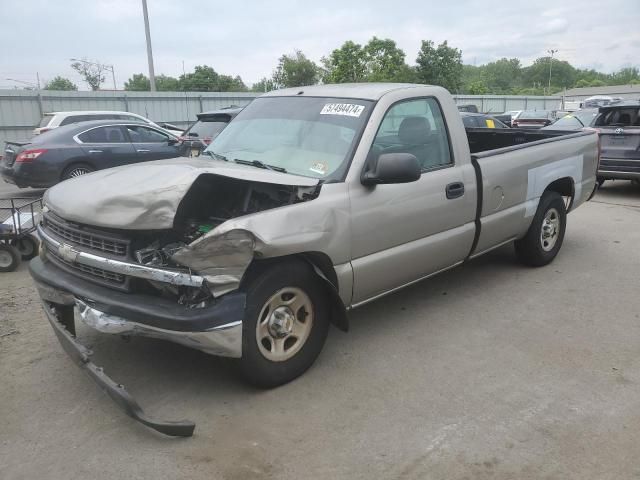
312, 202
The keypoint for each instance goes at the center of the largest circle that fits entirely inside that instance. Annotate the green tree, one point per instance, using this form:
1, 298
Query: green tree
626, 76
477, 87
139, 82
345, 64
60, 83
384, 62
165, 83
563, 75
295, 71
440, 66
206, 79
263, 85
91, 72
502, 76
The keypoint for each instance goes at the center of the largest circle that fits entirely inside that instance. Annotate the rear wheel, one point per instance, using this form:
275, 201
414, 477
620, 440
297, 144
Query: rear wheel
27, 246
9, 258
544, 238
285, 325
77, 170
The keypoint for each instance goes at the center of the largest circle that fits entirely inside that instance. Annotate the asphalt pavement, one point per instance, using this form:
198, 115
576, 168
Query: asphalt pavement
488, 371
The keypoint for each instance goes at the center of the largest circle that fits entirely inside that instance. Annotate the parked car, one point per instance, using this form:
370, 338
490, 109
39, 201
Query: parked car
599, 101
514, 114
313, 201
80, 148
58, 119
197, 137
480, 120
470, 108
619, 127
533, 119
574, 121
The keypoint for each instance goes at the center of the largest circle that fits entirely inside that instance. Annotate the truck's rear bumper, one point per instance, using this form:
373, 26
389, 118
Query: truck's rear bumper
615, 168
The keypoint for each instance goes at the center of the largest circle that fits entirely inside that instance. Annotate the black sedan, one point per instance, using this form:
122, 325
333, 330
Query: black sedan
76, 149
480, 120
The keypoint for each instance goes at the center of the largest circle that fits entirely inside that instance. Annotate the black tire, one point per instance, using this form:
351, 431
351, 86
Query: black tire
9, 258
532, 249
27, 246
76, 170
256, 368
601, 181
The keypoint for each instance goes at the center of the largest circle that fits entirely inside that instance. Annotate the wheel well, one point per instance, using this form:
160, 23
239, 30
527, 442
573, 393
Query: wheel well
565, 187
323, 268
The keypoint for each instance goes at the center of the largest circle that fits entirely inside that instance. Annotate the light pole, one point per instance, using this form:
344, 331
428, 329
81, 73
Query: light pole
108, 68
550, 52
152, 75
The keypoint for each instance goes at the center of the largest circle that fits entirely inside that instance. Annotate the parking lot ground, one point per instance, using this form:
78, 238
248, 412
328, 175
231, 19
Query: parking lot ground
490, 370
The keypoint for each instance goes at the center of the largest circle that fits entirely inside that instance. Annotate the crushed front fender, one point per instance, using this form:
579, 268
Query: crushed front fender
81, 356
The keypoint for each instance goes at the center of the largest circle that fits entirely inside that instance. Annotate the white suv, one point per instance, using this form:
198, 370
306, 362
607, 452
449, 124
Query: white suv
57, 119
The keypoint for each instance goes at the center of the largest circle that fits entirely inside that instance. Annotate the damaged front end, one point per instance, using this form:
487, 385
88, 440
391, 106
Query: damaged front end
178, 282
220, 257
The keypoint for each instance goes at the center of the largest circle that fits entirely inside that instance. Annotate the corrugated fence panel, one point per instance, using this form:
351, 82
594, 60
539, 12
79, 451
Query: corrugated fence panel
21, 110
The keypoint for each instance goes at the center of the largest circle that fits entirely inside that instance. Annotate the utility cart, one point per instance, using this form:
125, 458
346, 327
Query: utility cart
18, 220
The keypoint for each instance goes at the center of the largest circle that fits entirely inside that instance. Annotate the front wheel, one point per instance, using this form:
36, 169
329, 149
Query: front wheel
285, 325
544, 238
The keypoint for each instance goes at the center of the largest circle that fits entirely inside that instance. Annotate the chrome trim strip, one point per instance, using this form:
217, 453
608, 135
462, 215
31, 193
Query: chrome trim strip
224, 340
125, 268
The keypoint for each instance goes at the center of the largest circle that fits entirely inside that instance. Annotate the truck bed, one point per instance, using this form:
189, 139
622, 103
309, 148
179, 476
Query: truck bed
484, 139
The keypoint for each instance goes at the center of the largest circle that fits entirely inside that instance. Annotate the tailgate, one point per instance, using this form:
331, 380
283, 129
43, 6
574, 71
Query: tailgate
620, 143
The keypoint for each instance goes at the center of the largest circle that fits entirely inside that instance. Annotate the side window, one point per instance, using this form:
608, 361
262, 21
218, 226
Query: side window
416, 127
73, 119
140, 134
110, 134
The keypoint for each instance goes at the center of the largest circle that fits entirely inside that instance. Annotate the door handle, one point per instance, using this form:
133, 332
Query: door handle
95, 151
455, 190
142, 150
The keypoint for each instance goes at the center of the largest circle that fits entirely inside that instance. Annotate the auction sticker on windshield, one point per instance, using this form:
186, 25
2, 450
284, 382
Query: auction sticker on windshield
348, 109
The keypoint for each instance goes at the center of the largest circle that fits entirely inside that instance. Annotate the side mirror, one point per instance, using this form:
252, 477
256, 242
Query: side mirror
192, 134
173, 141
393, 168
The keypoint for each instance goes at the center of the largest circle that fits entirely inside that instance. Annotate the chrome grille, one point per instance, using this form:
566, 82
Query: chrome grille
97, 273
88, 238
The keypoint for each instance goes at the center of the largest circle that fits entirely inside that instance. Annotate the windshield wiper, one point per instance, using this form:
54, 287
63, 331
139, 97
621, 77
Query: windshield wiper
215, 155
259, 164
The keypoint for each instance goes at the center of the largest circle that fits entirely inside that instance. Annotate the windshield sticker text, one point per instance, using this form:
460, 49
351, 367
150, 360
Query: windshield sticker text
319, 167
348, 109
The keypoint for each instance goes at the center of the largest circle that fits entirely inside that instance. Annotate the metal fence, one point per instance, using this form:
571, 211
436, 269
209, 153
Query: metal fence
22, 110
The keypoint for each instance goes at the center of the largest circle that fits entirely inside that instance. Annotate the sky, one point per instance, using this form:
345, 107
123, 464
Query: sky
247, 38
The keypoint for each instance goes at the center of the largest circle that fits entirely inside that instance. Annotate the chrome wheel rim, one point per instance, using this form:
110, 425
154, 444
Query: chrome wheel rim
550, 229
284, 324
6, 259
78, 171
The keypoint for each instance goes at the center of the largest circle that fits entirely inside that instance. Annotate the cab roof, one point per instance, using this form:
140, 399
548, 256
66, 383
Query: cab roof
363, 91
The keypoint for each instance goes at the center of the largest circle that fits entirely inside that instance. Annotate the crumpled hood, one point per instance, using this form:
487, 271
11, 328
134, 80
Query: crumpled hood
145, 196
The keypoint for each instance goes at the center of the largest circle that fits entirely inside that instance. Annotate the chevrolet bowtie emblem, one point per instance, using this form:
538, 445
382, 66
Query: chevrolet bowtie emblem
68, 253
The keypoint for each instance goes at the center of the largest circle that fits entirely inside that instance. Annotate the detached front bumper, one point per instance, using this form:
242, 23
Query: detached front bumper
216, 329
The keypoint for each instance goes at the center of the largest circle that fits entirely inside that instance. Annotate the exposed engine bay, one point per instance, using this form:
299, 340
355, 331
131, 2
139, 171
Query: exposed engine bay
211, 201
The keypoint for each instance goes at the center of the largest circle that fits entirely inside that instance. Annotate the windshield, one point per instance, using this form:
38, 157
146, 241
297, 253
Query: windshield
577, 119
309, 136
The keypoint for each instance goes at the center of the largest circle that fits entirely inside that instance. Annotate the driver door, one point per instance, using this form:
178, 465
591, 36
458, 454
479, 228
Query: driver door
152, 144
404, 232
